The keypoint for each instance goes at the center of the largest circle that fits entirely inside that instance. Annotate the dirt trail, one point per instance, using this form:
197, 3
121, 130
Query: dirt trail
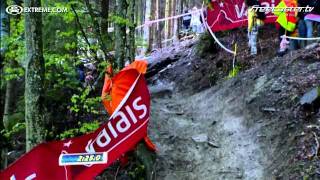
203, 136
249, 127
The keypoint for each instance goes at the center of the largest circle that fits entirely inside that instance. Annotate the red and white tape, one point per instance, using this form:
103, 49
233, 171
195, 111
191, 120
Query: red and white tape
149, 23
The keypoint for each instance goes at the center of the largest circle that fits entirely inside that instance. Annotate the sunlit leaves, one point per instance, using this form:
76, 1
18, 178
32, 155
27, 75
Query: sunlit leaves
85, 103
234, 72
84, 128
15, 50
64, 34
70, 46
13, 73
17, 128
120, 20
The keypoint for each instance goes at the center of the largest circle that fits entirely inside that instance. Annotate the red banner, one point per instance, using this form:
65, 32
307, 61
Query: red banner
230, 14
125, 128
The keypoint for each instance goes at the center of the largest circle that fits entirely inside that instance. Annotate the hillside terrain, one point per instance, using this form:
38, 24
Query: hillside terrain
207, 125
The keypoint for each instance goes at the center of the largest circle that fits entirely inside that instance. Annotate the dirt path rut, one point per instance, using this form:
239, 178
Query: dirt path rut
203, 136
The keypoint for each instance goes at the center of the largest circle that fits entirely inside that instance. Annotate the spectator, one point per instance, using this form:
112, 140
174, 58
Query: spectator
80, 71
313, 18
90, 66
302, 27
89, 80
195, 21
287, 21
255, 20
186, 20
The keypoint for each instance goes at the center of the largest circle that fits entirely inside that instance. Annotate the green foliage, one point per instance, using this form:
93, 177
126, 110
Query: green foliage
13, 73
234, 72
15, 118
84, 128
15, 50
60, 72
121, 21
62, 43
17, 128
83, 103
102, 66
138, 172
140, 42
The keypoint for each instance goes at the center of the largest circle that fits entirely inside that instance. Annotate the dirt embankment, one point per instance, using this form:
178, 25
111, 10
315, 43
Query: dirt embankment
247, 127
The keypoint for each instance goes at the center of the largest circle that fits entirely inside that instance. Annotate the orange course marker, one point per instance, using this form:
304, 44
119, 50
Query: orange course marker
115, 88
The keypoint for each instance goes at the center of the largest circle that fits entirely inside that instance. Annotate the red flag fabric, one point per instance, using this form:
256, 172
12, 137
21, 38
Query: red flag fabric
125, 128
230, 14
117, 87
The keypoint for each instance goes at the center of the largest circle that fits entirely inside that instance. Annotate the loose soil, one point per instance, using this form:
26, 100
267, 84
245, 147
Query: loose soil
208, 126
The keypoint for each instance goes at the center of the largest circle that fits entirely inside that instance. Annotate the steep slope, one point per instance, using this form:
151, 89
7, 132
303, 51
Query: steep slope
247, 127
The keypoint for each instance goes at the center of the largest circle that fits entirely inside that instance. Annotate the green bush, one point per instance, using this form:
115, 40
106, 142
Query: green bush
84, 128
234, 72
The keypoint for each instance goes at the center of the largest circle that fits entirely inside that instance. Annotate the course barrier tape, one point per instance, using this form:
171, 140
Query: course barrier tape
214, 36
300, 38
149, 23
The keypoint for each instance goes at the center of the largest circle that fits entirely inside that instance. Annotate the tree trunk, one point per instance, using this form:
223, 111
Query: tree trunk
96, 28
34, 77
4, 31
146, 30
167, 23
158, 34
9, 99
170, 21
139, 16
162, 13
152, 27
175, 21
120, 34
181, 11
163, 24
131, 36
104, 5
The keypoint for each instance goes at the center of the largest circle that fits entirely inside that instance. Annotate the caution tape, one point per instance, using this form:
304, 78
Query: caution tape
214, 36
148, 23
300, 38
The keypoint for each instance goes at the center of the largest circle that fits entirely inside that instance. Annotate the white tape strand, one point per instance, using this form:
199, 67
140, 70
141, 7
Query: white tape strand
148, 23
214, 36
300, 38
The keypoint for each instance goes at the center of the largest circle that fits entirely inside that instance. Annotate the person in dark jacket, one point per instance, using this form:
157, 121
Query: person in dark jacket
313, 18
302, 27
186, 20
81, 73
